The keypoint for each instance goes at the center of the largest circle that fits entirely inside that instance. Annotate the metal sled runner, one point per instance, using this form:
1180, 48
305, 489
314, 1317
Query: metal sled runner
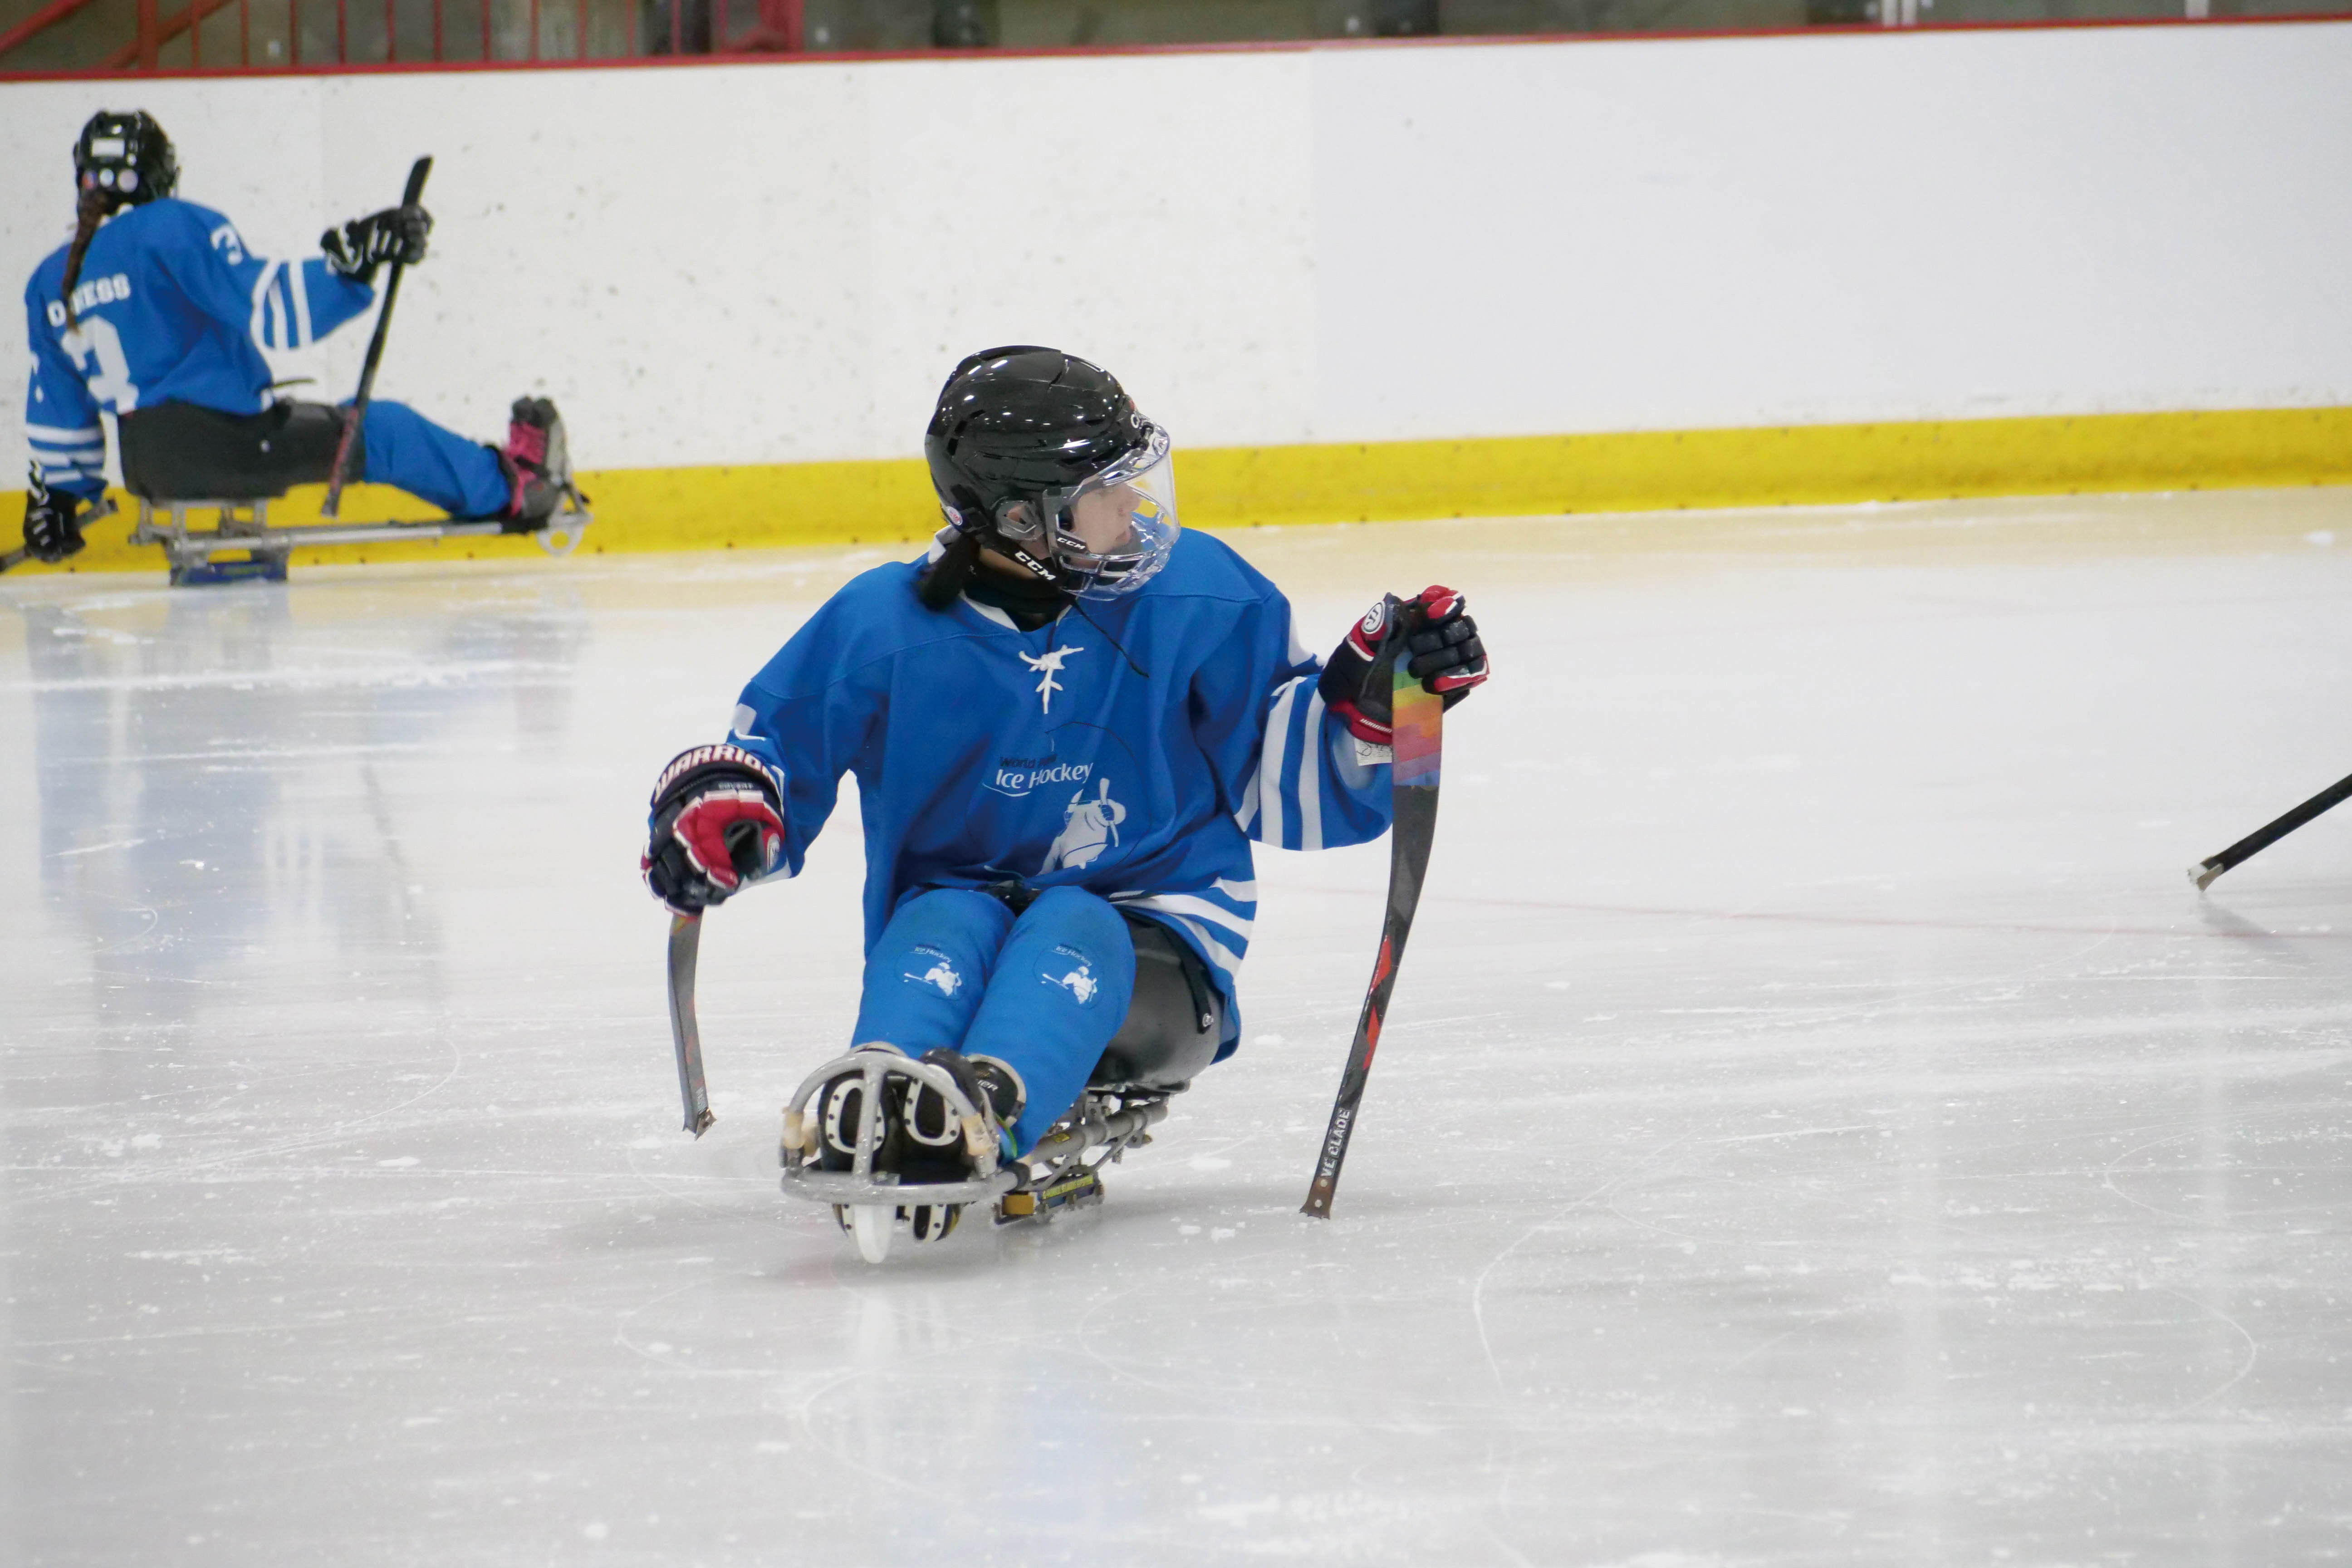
243, 527
1060, 1173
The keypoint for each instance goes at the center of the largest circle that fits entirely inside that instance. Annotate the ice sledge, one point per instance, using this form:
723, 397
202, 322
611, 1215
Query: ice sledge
242, 527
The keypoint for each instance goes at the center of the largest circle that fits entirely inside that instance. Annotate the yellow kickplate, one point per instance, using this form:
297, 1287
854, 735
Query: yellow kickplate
888, 504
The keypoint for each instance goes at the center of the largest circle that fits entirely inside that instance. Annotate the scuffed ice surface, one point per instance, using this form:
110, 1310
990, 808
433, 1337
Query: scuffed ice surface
1818, 1124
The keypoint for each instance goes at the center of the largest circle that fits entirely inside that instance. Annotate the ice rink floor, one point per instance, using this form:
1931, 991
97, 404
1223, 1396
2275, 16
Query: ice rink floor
1817, 1122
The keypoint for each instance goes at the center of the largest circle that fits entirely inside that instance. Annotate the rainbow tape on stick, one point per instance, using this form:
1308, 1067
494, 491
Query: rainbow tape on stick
1418, 716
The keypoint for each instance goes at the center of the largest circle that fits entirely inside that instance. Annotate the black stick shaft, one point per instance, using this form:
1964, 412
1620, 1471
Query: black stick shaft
1410, 834
2270, 832
408, 199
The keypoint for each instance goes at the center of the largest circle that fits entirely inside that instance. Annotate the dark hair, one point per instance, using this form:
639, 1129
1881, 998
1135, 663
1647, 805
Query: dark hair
944, 580
89, 211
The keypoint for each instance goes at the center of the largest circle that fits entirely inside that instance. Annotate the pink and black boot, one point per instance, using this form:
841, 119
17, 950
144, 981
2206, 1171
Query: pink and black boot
538, 463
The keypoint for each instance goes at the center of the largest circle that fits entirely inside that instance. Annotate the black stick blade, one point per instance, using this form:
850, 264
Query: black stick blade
686, 1035
2270, 832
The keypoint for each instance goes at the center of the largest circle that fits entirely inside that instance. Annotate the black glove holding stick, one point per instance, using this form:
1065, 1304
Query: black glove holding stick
1431, 632
52, 521
360, 247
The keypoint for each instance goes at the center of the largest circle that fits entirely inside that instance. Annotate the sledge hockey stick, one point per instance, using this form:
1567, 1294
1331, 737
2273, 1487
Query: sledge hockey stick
408, 199
2270, 832
1419, 719
684, 941
18, 556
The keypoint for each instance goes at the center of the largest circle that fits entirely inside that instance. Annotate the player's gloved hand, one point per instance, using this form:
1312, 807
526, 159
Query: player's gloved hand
360, 245
1431, 632
717, 825
52, 524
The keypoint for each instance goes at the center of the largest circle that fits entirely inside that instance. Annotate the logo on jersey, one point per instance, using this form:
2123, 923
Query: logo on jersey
1044, 667
1088, 827
1080, 981
1016, 777
941, 973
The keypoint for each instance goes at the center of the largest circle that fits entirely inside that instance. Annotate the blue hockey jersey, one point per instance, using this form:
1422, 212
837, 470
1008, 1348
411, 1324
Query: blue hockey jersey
1135, 749
171, 307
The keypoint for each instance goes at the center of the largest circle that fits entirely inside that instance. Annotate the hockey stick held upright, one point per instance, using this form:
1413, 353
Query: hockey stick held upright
409, 195
1419, 717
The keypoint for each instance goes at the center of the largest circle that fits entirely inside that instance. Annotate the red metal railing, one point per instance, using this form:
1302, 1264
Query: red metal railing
778, 29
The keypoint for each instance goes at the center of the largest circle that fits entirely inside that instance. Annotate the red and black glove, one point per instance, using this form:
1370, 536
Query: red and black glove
1431, 632
716, 824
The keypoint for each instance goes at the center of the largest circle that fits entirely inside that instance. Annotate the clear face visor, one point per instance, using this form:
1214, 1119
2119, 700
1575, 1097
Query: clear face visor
1115, 530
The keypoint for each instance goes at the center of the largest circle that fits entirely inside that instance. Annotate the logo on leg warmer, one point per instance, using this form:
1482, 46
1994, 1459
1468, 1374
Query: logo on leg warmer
1079, 982
942, 972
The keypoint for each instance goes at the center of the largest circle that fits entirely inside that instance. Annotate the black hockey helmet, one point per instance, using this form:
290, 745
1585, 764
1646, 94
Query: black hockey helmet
127, 156
1044, 458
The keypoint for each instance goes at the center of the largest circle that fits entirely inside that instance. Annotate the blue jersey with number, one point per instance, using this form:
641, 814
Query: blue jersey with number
1135, 750
170, 306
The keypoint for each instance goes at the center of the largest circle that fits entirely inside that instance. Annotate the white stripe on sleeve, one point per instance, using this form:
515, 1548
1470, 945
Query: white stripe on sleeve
259, 330
1310, 774
281, 329
297, 285
1270, 767
58, 434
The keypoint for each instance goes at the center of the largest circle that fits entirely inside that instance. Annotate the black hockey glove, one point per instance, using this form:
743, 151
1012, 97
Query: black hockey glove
717, 825
52, 524
360, 245
1431, 632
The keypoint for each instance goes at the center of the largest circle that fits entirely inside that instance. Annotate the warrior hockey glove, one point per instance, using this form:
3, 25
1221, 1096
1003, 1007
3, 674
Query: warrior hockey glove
360, 245
1435, 636
716, 825
52, 530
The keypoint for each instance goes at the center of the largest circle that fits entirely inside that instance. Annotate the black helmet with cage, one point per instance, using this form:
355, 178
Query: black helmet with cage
1044, 458
120, 161
126, 155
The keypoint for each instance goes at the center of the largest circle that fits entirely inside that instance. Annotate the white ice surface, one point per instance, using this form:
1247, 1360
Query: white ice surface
1817, 1122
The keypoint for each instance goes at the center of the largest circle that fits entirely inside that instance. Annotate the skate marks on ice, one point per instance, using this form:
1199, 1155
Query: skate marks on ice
1816, 1126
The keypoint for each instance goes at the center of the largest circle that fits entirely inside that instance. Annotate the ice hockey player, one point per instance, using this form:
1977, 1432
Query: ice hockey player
1067, 723
157, 314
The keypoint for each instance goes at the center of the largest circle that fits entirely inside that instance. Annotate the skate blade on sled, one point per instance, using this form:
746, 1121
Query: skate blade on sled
1057, 1174
243, 527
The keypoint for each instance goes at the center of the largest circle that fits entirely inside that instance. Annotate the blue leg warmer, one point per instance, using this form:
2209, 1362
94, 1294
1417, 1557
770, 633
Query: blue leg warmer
409, 452
925, 977
1044, 995
1059, 992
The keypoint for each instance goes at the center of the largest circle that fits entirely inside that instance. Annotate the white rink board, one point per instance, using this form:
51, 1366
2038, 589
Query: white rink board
778, 263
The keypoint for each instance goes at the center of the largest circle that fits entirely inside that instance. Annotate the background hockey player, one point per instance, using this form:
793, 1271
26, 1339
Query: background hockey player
156, 313
1067, 726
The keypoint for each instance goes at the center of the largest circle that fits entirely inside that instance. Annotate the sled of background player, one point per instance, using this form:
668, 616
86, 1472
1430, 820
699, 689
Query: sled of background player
1061, 1171
240, 528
